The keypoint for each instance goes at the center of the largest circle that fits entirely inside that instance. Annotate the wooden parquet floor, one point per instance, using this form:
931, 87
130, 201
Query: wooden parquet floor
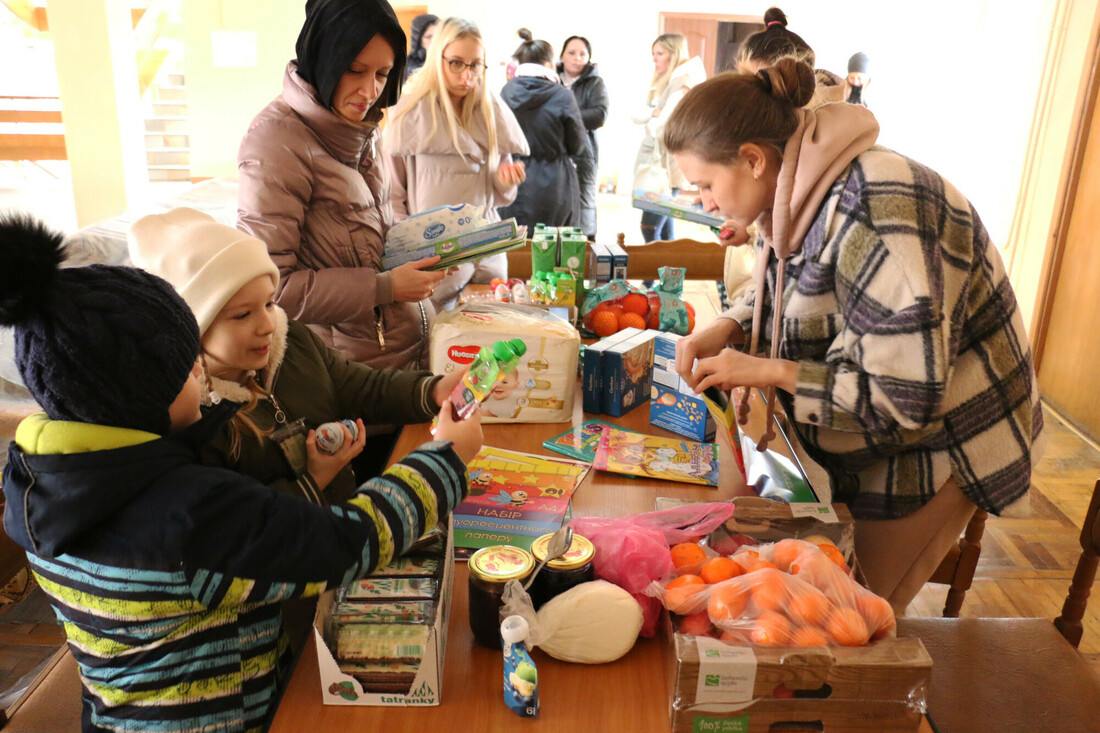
1024, 571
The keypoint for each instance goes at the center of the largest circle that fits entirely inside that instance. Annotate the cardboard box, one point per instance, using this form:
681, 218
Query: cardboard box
338, 688
600, 270
592, 390
672, 404
619, 261
542, 387
722, 687
544, 249
627, 373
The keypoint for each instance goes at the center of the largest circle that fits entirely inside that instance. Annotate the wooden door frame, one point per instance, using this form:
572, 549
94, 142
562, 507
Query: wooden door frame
1052, 263
720, 17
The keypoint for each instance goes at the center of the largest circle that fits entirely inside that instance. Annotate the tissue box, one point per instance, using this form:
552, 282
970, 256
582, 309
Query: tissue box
542, 387
673, 406
627, 369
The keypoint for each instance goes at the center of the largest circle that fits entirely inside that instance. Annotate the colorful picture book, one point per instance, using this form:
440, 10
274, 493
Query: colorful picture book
580, 441
670, 459
514, 498
675, 206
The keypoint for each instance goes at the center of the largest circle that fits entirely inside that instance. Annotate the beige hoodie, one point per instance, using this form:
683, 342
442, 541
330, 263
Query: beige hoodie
825, 142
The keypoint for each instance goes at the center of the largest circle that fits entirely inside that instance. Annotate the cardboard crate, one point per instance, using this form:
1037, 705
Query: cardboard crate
338, 688
716, 686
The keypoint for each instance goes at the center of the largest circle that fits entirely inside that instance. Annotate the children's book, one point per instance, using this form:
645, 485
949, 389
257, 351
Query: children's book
675, 206
580, 441
651, 456
514, 498
456, 233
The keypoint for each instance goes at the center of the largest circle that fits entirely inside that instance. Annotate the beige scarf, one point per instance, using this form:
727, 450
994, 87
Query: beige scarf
824, 144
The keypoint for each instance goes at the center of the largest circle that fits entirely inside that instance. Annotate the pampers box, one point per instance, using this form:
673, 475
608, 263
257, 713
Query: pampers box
673, 406
542, 387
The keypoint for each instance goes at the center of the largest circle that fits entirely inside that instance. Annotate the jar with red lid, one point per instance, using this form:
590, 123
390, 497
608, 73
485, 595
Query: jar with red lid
490, 568
558, 576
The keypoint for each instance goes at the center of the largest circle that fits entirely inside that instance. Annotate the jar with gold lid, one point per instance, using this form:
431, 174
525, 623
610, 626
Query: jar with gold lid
572, 568
490, 568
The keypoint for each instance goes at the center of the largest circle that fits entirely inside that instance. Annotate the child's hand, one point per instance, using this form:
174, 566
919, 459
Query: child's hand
464, 434
324, 466
511, 174
445, 386
412, 283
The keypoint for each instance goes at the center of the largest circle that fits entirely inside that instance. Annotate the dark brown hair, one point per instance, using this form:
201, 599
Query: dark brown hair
531, 51
774, 42
715, 118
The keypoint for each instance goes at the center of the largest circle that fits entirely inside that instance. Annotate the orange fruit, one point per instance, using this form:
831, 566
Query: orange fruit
745, 557
847, 627
809, 636
769, 589
654, 312
717, 569
736, 636
631, 320
636, 303
682, 593
771, 629
727, 602
785, 552
696, 624
616, 310
878, 614
604, 323
759, 565
687, 554
835, 555
809, 607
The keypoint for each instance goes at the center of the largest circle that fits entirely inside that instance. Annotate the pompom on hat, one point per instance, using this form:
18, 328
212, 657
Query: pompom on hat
205, 261
100, 344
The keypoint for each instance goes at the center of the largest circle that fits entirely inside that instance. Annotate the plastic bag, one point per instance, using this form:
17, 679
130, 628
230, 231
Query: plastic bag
633, 551
611, 307
790, 593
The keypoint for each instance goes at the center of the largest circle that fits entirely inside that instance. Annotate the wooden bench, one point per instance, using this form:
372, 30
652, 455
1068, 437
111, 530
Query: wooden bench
31, 129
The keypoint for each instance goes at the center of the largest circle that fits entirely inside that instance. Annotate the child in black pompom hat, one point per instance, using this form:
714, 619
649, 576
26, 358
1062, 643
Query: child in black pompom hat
168, 575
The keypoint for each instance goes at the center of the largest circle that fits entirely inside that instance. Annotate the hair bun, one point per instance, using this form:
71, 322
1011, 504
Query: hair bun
790, 80
30, 255
775, 15
525, 34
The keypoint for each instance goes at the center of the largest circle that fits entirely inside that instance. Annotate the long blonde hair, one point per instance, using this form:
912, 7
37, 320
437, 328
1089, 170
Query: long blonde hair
241, 423
430, 86
677, 47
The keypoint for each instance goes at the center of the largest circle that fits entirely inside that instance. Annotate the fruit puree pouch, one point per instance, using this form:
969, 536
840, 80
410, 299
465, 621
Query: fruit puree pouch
521, 680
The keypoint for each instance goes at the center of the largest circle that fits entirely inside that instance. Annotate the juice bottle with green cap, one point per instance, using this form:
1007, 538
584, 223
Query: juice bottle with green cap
490, 364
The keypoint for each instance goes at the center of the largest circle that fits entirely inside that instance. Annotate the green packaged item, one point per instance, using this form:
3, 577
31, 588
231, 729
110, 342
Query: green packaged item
544, 249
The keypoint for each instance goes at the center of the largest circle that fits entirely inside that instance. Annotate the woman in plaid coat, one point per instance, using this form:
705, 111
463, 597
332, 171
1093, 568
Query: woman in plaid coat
897, 348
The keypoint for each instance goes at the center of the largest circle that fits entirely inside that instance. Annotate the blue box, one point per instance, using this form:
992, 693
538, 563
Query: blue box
618, 261
627, 372
600, 266
673, 406
592, 386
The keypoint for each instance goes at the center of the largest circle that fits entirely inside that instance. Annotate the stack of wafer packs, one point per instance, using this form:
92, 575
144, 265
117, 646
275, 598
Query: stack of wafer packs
383, 622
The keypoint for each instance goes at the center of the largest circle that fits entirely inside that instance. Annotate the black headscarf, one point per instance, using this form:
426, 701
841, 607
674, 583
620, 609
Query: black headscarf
335, 32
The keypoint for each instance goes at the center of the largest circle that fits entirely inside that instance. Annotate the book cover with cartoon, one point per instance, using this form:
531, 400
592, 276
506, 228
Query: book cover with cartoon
580, 441
514, 498
651, 456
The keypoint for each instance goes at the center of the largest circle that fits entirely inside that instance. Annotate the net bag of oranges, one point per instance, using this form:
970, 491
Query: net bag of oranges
611, 307
788, 593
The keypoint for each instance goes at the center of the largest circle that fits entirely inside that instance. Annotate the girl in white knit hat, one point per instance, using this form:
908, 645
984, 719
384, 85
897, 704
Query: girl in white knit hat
287, 379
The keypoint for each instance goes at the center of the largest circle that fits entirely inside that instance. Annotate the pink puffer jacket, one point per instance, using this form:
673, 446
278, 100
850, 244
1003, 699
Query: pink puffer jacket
313, 188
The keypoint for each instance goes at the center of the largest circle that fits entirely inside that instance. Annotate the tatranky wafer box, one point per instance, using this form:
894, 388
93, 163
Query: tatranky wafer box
542, 387
398, 612
715, 686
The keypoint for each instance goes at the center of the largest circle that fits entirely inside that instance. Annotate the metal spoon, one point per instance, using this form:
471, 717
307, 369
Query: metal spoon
557, 546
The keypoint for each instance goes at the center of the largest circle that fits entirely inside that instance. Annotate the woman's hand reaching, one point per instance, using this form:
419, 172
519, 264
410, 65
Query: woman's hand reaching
511, 174
412, 283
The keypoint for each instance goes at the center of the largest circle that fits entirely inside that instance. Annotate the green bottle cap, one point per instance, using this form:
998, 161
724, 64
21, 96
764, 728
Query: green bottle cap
503, 352
518, 347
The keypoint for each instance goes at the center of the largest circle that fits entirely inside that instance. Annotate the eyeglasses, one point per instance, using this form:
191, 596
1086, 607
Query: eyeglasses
457, 66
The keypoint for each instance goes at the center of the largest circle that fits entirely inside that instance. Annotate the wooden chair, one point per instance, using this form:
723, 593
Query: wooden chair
1009, 674
702, 260
957, 568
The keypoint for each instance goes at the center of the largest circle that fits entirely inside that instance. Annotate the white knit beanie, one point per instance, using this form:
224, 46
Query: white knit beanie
206, 262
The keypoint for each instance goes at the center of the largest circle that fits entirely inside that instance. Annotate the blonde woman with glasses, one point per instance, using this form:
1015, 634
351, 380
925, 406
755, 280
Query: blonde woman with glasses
449, 140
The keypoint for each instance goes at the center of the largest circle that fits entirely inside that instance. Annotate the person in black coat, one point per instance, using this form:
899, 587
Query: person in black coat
578, 74
421, 31
551, 121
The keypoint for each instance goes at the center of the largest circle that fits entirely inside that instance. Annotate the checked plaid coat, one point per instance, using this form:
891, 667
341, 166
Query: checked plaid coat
914, 362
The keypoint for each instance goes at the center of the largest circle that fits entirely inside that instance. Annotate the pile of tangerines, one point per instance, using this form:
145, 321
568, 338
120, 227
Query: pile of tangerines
789, 593
633, 310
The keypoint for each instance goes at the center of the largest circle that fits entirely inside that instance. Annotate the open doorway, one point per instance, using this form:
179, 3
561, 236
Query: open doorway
714, 38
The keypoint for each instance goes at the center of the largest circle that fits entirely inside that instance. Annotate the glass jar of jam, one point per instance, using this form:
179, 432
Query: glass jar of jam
490, 568
572, 568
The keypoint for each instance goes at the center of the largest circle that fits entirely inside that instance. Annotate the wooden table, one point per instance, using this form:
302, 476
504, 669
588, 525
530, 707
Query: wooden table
629, 695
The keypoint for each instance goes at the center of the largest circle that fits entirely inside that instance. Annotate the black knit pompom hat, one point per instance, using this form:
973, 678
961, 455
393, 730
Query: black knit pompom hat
99, 344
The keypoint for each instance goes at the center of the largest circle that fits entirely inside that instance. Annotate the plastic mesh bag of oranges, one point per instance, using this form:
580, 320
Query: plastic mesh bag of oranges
788, 593
611, 307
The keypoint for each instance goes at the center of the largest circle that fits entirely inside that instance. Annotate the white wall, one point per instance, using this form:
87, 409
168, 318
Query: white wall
954, 87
